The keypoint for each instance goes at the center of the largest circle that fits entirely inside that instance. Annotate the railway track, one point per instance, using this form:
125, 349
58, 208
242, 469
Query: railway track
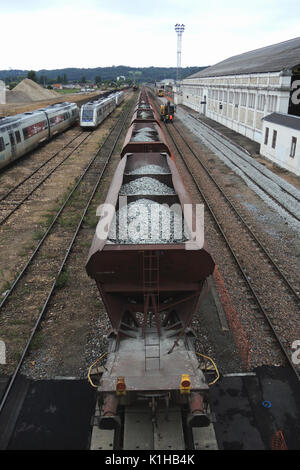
262, 288
45, 269
13, 199
6, 192
248, 159
279, 194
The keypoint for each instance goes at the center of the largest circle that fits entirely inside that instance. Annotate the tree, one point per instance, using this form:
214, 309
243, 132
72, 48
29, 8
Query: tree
32, 75
43, 80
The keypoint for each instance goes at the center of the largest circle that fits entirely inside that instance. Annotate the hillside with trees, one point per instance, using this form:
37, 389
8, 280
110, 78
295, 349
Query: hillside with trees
97, 75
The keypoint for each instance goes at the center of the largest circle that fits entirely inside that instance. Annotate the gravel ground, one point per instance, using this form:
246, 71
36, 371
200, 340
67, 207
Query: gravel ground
74, 332
59, 346
271, 183
284, 311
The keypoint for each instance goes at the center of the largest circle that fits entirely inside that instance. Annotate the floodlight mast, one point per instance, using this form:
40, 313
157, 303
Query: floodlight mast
179, 28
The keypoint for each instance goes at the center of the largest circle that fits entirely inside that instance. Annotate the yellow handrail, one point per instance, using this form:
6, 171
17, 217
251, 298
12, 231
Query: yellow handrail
214, 366
90, 369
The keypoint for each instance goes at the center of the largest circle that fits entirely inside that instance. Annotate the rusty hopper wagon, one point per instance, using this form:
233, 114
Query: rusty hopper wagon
143, 113
150, 283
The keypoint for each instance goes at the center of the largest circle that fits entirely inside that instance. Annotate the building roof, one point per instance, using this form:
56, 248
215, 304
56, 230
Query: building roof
275, 58
286, 120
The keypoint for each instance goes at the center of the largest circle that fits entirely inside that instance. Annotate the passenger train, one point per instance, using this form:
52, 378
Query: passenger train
94, 112
22, 133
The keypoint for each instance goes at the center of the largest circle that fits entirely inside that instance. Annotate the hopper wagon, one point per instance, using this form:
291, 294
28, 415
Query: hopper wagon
151, 271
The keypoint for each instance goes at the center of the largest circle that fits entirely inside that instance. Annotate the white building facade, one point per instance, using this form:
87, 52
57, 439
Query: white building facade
2, 92
239, 91
281, 141
239, 101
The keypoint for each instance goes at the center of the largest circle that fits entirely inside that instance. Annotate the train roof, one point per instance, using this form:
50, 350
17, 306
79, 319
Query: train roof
63, 105
90, 104
10, 122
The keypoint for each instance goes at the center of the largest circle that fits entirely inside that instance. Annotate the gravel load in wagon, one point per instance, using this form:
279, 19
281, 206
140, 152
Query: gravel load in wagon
149, 170
145, 114
145, 134
144, 105
145, 221
146, 185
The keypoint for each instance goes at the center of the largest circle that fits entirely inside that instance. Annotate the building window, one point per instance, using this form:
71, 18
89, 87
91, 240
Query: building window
251, 100
293, 147
274, 139
243, 99
236, 99
272, 103
266, 136
231, 97
261, 102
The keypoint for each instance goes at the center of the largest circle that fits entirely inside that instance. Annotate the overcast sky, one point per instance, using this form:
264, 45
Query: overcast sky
52, 34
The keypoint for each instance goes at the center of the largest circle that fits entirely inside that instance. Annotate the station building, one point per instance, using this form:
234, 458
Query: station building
241, 90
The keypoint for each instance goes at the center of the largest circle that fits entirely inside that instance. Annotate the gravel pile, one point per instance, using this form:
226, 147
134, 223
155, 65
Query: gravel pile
146, 185
146, 221
150, 170
28, 91
145, 134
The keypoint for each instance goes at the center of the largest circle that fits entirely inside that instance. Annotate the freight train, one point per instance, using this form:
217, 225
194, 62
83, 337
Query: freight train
151, 271
94, 112
22, 133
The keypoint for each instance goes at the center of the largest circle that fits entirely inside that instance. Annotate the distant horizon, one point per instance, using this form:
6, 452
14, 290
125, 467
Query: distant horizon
98, 74
102, 67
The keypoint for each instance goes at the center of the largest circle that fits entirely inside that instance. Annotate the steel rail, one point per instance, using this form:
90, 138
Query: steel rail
46, 234
68, 251
253, 166
37, 169
266, 252
251, 288
19, 204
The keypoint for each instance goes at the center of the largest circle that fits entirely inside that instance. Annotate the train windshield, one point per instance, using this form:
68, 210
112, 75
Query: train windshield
87, 114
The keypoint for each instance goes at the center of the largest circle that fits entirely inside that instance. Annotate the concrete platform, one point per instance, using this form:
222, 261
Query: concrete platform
248, 410
55, 414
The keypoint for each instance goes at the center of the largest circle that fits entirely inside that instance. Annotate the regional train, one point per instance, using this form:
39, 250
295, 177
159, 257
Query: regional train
151, 269
22, 133
94, 112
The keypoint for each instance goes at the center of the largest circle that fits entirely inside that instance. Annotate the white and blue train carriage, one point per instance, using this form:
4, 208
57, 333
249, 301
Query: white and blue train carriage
119, 97
94, 112
21, 133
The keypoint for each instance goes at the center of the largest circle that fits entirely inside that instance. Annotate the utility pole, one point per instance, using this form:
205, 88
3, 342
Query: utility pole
179, 28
